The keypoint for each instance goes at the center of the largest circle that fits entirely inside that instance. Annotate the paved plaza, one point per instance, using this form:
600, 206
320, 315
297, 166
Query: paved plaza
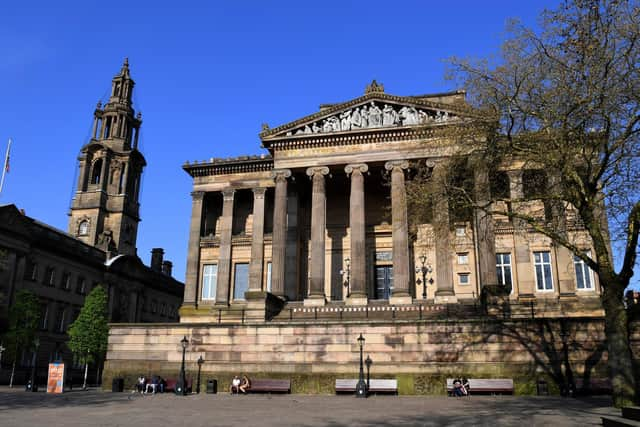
97, 408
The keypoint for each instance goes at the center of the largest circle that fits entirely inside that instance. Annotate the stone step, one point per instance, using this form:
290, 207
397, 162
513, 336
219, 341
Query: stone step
613, 421
631, 413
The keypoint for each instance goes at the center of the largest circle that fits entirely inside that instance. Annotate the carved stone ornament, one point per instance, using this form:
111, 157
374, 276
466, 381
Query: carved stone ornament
374, 115
323, 170
259, 192
391, 165
197, 195
280, 174
362, 167
228, 193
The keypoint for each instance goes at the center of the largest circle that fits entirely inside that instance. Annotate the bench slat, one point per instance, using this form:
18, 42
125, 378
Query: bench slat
376, 385
486, 385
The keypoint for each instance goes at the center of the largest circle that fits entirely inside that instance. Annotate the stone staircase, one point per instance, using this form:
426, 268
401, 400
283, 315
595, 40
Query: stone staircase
630, 417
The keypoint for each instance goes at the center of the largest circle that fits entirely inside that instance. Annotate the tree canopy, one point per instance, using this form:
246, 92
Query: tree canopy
88, 334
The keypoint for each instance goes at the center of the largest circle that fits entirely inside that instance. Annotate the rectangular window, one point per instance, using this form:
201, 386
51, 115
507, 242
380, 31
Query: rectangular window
268, 277
209, 281
463, 258
503, 267
66, 281
542, 262
31, 272
81, 286
60, 320
240, 281
463, 278
584, 275
44, 316
50, 276
461, 231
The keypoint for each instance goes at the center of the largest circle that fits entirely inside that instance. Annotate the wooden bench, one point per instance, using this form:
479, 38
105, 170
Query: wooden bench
270, 386
493, 386
170, 384
595, 386
375, 386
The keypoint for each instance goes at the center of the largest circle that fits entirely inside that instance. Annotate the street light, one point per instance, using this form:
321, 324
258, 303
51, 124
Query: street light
347, 274
368, 362
200, 362
181, 386
361, 387
32, 386
424, 269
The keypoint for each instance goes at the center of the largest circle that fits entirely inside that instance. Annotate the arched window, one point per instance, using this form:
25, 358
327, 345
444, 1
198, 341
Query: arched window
97, 170
83, 228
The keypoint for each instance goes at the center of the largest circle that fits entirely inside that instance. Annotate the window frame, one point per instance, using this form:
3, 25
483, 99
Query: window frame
468, 279
500, 265
464, 256
235, 280
212, 284
542, 264
587, 273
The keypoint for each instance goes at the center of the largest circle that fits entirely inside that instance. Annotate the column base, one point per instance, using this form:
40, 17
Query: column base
445, 297
357, 299
402, 299
315, 301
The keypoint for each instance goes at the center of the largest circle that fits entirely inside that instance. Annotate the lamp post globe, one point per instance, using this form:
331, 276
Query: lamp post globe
181, 385
361, 386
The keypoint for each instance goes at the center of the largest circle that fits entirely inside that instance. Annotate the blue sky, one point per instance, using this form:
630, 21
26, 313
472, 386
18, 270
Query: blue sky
207, 75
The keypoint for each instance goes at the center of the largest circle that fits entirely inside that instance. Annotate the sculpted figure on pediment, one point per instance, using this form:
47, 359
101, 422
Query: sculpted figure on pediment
326, 126
409, 116
389, 116
365, 117
345, 120
356, 119
335, 123
315, 128
375, 116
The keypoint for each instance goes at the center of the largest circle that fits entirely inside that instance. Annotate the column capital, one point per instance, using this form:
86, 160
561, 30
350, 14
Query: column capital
322, 170
362, 167
197, 195
280, 174
228, 193
393, 164
259, 192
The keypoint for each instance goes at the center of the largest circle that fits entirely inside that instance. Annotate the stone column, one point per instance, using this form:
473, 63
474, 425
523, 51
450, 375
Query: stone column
257, 241
400, 233
441, 229
193, 255
82, 175
279, 236
357, 231
484, 227
104, 179
224, 257
318, 236
523, 276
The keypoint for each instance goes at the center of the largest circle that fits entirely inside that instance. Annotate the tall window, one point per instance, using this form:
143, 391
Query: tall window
240, 280
542, 262
97, 170
66, 281
83, 228
269, 277
209, 280
50, 278
81, 286
60, 320
584, 275
503, 268
44, 316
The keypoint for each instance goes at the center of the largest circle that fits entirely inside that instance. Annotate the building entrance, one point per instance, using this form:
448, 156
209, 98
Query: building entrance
384, 281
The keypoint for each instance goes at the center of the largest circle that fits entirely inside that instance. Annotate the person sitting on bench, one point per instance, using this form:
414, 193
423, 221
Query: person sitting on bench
235, 384
245, 384
459, 390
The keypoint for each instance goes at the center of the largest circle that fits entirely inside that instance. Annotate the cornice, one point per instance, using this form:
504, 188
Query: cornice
224, 166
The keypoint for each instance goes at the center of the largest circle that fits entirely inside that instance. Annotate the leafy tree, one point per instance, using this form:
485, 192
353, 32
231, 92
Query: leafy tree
24, 316
565, 100
88, 334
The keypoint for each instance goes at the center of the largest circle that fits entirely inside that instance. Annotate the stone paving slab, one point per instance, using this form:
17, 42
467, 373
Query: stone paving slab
97, 408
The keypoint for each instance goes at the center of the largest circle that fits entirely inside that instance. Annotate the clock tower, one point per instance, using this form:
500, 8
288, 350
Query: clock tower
105, 208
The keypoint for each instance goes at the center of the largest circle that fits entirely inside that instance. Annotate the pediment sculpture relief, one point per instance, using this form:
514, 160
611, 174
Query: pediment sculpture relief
374, 115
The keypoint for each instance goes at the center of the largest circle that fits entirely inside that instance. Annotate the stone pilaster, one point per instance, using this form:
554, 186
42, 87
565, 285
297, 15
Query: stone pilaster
400, 233
224, 257
257, 241
193, 254
524, 274
104, 179
441, 228
279, 240
358, 295
484, 227
318, 232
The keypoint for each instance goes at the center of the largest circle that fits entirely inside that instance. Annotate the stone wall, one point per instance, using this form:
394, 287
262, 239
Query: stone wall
421, 355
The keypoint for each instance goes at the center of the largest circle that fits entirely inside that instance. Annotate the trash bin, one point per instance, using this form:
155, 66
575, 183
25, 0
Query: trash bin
117, 385
212, 386
542, 388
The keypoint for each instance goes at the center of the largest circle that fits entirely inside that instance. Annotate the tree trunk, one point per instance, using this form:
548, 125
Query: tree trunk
86, 371
616, 326
13, 371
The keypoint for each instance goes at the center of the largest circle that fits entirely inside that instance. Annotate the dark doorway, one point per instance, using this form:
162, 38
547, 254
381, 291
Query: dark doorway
384, 281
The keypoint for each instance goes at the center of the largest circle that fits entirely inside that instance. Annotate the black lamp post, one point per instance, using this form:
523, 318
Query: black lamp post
424, 269
368, 362
361, 387
200, 362
32, 386
181, 386
347, 274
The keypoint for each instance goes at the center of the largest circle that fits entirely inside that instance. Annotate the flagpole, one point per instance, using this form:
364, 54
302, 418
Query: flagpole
6, 163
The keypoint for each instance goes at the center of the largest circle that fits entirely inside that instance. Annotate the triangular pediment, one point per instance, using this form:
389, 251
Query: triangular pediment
370, 112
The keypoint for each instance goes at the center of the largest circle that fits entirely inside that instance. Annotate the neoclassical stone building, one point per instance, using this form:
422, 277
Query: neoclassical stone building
321, 218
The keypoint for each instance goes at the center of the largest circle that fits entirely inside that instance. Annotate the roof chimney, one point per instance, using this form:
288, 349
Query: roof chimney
156, 259
167, 267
